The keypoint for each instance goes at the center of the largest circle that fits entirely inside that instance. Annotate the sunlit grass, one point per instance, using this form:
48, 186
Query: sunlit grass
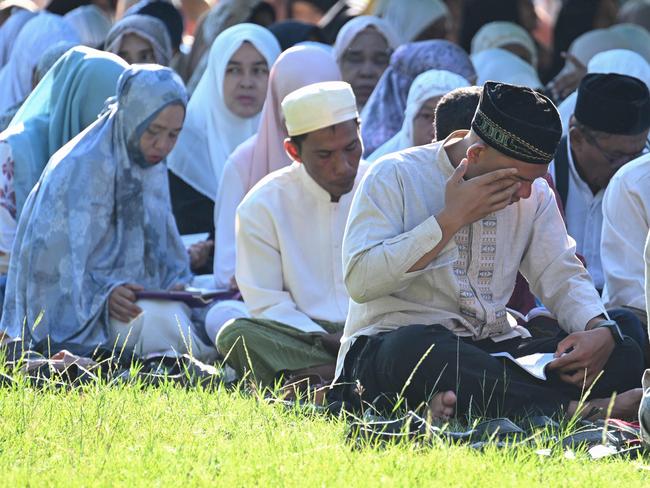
101, 435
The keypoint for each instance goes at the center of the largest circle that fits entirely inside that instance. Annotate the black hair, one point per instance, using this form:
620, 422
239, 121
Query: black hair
259, 11
456, 110
300, 138
62, 7
169, 15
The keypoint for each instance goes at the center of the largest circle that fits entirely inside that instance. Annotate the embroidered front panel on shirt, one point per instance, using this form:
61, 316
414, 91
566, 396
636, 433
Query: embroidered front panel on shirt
476, 300
467, 301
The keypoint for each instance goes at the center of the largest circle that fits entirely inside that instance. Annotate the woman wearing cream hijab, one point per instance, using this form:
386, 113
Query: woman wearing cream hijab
363, 48
223, 112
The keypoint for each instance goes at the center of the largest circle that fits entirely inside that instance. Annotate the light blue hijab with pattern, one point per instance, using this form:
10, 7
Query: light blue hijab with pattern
99, 217
67, 100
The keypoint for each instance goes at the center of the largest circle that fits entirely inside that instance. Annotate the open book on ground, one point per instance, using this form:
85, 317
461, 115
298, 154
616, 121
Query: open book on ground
534, 364
193, 298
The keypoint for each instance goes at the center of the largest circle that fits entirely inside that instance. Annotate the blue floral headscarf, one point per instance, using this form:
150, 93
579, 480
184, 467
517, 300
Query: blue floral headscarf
99, 217
383, 114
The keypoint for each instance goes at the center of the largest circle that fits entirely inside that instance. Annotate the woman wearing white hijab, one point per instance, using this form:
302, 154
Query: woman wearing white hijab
362, 50
508, 36
39, 33
424, 95
618, 61
505, 67
420, 20
223, 112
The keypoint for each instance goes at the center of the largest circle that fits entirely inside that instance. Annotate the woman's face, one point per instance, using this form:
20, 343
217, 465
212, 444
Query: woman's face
136, 50
159, 138
363, 63
423, 122
245, 82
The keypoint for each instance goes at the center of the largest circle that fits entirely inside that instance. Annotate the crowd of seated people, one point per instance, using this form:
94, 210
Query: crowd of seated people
379, 199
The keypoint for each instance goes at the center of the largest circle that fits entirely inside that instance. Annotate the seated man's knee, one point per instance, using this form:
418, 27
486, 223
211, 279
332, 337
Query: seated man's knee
233, 334
631, 326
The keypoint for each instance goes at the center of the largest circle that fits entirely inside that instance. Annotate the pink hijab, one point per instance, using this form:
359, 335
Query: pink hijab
264, 152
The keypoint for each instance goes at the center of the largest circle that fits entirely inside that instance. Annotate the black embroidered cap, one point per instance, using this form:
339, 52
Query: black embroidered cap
615, 104
518, 122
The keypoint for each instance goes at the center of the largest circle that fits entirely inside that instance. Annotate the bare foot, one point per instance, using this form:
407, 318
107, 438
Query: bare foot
626, 406
441, 406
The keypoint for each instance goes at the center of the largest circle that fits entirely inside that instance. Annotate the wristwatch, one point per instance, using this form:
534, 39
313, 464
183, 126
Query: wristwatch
613, 328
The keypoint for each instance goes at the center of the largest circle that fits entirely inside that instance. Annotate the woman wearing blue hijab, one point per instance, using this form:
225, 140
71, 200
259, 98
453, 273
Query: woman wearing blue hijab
98, 227
68, 99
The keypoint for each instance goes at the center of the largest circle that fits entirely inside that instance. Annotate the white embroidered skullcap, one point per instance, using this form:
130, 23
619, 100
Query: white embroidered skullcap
317, 106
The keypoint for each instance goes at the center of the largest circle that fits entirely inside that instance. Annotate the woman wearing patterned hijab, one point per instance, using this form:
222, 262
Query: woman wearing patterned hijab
383, 115
98, 228
140, 39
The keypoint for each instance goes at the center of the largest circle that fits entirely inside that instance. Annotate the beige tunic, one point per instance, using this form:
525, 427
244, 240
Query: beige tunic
392, 225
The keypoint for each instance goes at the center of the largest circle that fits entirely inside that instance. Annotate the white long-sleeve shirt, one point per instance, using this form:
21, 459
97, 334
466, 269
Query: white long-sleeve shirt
626, 221
584, 219
289, 235
466, 287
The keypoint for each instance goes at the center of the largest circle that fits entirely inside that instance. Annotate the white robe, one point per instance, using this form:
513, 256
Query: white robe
289, 237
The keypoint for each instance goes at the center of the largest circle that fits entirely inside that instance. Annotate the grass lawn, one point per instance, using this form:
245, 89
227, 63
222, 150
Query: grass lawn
167, 436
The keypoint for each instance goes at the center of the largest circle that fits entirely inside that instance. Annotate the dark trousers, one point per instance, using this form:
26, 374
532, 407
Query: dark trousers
416, 361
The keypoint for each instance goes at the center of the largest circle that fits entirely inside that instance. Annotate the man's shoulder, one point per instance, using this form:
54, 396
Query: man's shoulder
414, 159
270, 187
633, 172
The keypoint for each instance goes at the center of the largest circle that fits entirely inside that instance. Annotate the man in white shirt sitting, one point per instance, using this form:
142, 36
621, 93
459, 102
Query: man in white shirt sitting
626, 222
289, 235
608, 129
434, 241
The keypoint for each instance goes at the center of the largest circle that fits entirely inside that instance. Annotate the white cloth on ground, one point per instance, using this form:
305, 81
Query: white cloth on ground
162, 329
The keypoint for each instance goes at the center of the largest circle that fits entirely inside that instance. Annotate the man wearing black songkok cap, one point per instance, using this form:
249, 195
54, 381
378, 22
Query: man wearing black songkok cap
434, 241
609, 128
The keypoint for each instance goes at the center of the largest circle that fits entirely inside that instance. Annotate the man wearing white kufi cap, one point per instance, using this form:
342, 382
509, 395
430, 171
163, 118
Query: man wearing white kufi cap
288, 239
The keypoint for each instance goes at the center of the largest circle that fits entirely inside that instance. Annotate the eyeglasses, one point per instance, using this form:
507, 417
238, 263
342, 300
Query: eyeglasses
615, 160
356, 59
